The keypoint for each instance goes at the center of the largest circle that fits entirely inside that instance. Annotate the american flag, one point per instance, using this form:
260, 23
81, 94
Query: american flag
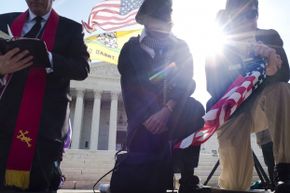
235, 95
112, 15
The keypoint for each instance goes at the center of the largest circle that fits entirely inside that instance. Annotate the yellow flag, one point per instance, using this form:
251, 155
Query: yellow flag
107, 46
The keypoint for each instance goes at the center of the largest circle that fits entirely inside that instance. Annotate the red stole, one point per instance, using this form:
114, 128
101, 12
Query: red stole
26, 130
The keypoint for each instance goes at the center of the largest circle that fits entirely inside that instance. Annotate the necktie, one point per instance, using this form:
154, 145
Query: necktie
35, 29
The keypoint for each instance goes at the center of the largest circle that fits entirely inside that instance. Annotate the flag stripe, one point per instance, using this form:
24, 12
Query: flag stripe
114, 23
106, 11
235, 95
110, 29
107, 4
112, 15
107, 8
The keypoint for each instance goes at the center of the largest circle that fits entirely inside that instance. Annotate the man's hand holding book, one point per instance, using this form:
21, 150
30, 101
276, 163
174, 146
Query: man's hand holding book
14, 60
20, 53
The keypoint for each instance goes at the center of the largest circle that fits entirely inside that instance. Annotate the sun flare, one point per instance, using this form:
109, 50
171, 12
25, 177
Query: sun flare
194, 22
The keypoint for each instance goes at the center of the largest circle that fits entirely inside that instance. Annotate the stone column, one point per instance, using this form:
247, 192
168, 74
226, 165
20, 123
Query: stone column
113, 121
78, 117
94, 140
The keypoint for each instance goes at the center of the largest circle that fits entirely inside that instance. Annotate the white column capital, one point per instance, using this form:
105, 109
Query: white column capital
114, 95
97, 94
80, 92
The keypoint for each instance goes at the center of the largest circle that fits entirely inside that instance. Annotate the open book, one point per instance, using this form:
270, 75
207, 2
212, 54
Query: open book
37, 48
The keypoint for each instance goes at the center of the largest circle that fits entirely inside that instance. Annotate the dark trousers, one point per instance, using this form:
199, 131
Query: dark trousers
187, 119
45, 174
267, 150
185, 160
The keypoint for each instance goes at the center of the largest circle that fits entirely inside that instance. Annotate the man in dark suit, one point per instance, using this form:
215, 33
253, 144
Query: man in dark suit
34, 98
156, 77
267, 107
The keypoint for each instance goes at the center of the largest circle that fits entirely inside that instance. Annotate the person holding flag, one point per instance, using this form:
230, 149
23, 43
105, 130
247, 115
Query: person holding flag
34, 97
267, 107
156, 78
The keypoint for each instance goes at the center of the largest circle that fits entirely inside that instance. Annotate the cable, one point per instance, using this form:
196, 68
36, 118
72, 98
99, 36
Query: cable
116, 165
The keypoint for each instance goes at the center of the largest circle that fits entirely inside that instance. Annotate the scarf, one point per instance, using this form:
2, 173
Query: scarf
157, 44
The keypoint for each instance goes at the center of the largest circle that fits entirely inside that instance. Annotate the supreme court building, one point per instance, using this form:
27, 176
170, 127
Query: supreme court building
97, 114
99, 126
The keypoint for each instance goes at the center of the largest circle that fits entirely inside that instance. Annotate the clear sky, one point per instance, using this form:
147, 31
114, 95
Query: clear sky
192, 22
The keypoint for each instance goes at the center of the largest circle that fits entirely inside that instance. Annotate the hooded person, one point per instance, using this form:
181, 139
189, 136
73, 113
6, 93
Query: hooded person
267, 107
156, 78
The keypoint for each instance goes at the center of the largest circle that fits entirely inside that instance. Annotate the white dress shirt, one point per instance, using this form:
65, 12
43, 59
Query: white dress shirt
31, 21
29, 24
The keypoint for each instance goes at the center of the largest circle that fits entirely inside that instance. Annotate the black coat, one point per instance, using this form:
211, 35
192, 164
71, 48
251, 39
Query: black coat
70, 62
219, 77
143, 97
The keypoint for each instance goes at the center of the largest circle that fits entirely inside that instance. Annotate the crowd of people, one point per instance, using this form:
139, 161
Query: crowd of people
157, 82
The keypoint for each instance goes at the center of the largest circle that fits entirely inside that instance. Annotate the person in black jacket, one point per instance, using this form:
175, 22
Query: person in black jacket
156, 78
267, 107
34, 99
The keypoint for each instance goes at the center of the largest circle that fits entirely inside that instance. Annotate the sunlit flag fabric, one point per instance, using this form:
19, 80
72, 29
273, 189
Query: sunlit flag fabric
235, 95
112, 15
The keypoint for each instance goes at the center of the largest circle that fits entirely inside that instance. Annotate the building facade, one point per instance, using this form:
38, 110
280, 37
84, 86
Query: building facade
98, 116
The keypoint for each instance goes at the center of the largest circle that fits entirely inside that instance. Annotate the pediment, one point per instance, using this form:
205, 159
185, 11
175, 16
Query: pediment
104, 70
